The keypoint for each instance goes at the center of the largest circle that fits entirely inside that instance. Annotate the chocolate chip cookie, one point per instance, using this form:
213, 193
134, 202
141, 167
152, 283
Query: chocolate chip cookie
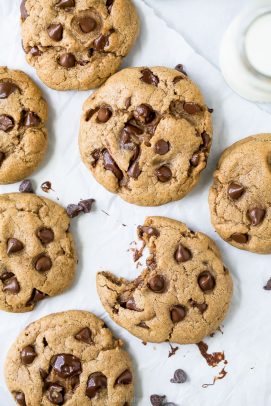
183, 294
240, 197
69, 358
37, 255
23, 136
77, 44
146, 135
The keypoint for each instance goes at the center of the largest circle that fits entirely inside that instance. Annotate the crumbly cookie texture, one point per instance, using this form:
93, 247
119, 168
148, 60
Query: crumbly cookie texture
240, 196
146, 135
37, 255
77, 44
181, 297
23, 136
70, 359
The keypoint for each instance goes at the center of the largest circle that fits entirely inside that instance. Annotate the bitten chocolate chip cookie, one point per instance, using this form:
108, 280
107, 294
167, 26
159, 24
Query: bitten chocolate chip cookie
72, 359
183, 294
77, 44
23, 136
146, 135
37, 256
240, 198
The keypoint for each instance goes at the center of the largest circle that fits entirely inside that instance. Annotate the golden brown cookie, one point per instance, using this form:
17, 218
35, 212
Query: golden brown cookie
240, 197
23, 136
146, 135
37, 255
77, 44
183, 294
69, 358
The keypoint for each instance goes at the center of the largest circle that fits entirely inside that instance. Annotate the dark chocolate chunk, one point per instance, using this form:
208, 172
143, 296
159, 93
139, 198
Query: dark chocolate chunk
125, 378
206, 281
55, 32
235, 190
96, 382
157, 284
46, 235
182, 254
256, 215
26, 186
177, 313
14, 245
84, 335
110, 164
6, 123
66, 365
28, 354
149, 77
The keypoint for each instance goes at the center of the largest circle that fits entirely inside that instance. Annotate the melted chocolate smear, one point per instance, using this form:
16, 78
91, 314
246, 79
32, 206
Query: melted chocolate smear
212, 359
221, 375
149, 77
172, 351
46, 186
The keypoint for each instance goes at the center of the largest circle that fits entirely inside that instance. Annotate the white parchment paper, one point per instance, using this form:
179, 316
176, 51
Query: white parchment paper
102, 240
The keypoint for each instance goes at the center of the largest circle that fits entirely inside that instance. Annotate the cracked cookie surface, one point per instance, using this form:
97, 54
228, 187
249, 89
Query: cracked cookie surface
37, 255
23, 136
183, 294
77, 44
240, 197
70, 359
146, 135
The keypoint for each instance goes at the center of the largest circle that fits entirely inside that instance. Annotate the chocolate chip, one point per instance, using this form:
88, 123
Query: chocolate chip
24, 13
2, 157
84, 335
179, 376
180, 68
125, 378
6, 89
43, 374
55, 32
182, 254
5, 275
30, 119
202, 307
6, 123
268, 285
194, 161
36, 296
161, 147
87, 24
157, 400
46, 235
142, 324
34, 51
66, 365
177, 313
46, 186
144, 114
110, 165
14, 245
43, 263
73, 210
128, 102
211, 110
235, 190
104, 114
149, 77
206, 140
55, 393
67, 60
256, 215
206, 281
66, 3
109, 5
163, 173
149, 231
28, 354
239, 238
134, 170
20, 398
157, 284
129, 131
191, 108
96, 382
11, 285
26, 186
86, 205
101, 42
131, 305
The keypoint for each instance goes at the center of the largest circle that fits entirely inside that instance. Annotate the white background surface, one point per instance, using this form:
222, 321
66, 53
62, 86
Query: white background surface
102, 240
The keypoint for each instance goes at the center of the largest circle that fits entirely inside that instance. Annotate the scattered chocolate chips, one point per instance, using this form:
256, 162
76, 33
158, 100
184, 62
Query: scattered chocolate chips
179, 376
144, 114
149, 231
86, 205
55, 393
6, 89
161, 147
73, 210
28, 354
67, 60
24, 13
163, 173
110, 164
177, 313
268, 285
46, 235
20, 398
149, 77
104, 114
87, 24
11, 285
43, 263
125, 378
109, 5
96, 382
14, 245
239, 238
182, 254
180, 68
101, 42
256, 215
191, 108
55, 32
206, 281
157, 400
29, 119
6, 123
235, 190
66, 4
36, 296
157, 284
34, 51
66, 365
84, 335
194, 161
46, 186
26, 186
